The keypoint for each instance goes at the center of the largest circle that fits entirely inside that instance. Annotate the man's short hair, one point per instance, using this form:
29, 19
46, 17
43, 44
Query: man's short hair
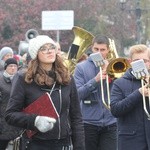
101, 39
139, 48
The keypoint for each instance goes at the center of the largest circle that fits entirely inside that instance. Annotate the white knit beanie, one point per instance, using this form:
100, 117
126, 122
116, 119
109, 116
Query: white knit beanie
4, 51
36, 43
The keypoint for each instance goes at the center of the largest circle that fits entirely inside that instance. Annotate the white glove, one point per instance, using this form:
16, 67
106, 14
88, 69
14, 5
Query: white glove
44, 124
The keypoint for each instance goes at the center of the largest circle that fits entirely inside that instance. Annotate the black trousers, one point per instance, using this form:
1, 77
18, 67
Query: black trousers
100, 138
37, 144
3, 144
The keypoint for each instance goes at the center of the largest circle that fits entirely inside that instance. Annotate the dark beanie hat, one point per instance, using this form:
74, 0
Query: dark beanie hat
10, 61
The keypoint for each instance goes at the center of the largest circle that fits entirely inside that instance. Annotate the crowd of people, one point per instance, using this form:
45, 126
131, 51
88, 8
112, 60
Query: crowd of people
84, 123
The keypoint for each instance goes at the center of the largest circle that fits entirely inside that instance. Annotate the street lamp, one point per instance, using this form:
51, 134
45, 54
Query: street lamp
138, 22
122, 6
138, 13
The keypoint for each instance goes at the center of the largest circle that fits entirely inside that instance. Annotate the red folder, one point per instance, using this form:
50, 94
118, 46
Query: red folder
43, 106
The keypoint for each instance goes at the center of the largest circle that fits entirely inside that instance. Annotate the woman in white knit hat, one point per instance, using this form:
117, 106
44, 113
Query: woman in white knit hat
46, 73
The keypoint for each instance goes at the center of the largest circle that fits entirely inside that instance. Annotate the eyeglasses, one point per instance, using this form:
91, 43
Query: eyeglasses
45, 50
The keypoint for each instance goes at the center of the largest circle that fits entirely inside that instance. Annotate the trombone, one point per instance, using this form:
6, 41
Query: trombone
115, 69
141, 72
107, 105
100, 62
117, 65
143, 81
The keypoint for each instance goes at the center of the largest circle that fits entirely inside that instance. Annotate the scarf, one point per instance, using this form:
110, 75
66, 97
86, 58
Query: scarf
8, 76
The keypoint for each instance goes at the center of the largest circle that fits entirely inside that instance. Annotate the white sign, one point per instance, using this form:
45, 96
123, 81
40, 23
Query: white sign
57, 20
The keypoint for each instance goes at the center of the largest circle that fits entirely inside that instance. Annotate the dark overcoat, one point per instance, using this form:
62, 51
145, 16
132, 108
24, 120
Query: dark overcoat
127, 106
7, 132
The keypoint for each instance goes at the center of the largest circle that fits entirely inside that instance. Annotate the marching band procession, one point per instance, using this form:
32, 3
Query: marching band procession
86, 99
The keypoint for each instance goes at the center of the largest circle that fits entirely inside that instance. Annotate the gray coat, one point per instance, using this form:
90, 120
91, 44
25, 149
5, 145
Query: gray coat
7, 132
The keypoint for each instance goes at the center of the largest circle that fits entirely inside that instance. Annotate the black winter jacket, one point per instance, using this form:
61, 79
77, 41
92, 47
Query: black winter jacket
65, 99
127, 106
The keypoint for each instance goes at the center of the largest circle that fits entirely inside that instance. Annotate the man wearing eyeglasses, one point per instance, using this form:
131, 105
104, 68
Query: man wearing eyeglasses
7, 132
127, 104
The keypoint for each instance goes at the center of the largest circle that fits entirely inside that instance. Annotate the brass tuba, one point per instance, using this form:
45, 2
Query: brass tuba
83, 39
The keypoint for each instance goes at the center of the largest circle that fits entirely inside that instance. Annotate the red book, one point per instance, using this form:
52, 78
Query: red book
43, 106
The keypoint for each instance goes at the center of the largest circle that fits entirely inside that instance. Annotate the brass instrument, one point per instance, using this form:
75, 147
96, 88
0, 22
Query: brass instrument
117, 65
141, 72
143, 81
83, 39
115, 69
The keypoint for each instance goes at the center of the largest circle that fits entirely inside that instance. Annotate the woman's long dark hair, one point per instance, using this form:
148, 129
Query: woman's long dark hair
59, 73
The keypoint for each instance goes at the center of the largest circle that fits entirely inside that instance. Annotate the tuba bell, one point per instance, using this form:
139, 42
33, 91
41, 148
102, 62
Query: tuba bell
83, 39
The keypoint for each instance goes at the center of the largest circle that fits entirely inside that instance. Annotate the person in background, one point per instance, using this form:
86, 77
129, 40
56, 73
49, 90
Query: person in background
127, 105
19, 59
59, 52
7, 132
5, 53
89, 51
99, 124
46, 73
83, 57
